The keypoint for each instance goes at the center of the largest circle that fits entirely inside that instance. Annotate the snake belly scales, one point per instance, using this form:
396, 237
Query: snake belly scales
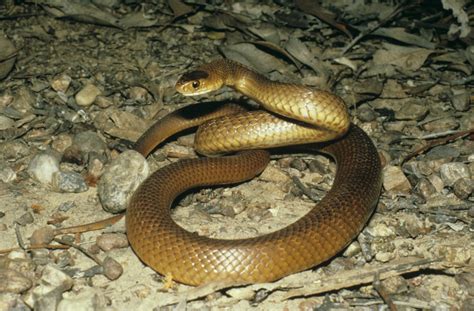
294, 114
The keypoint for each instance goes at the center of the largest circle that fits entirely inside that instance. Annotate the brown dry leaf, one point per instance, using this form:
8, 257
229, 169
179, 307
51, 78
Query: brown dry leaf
249, 55
401, 35
179, 8
7, 56
301, 52
136, 19
313, 8
80, 11
278, 49
406, 57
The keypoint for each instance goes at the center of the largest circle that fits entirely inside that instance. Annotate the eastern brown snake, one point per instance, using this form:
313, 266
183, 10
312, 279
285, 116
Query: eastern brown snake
298, 115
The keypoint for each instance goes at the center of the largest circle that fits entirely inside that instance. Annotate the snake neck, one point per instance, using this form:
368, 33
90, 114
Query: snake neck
242, 79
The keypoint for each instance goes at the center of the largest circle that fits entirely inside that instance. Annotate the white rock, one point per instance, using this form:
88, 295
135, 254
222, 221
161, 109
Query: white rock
120, 180
87, 95
87, 299
43, 166
395, 180
451, 172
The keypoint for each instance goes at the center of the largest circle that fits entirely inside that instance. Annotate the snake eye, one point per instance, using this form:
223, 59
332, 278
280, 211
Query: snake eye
195, 84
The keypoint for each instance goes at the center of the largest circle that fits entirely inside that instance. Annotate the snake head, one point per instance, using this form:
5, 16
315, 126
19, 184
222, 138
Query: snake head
199, 81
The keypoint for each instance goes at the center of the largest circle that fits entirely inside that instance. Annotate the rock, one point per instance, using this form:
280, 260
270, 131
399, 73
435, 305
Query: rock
25, 219
298, 164
70, 182
426, 188
411, 110
6, 123
437, 182
13, 150
463, 188
366, 114
43, 166
12, 302
441, 125
7, 56
62, 142
54, 278
112, 269
7, 174
461, 101
52, 285
86, 145
384, 256
451, 172
120, 179
274, 174
381, 230
42, 235
87, 95
109, 241
86, 299
13, 281
395, 180
138, 94
61, 83
66, 206
442, 152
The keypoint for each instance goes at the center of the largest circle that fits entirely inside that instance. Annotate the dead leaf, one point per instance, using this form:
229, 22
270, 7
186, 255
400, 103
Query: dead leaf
313, 8
249, 55
7, 56
401, 35
405, 57
179, 8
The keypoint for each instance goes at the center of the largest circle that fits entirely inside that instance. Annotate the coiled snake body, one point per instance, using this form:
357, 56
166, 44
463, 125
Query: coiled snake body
297, 115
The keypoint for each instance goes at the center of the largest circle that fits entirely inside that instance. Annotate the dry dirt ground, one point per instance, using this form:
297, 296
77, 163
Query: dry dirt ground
80, 81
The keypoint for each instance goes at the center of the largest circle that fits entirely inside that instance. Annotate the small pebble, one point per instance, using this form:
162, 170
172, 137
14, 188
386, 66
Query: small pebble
384, 256
425, 188
451, 172
6, 123
112, 269
88, 299
463, 188
437, 182
462, 101
87, 95
7, 174
442, 152
411, 110
395, 285
298, 164
441, 125
42, 235
69, 182
138, 93
61, 83
352, 250
381, 230
13, 281
66, 206
25, 219
120, 179
109, 241
84, 146
43, 166
61, 142
274, 174
366, 114
395, 180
